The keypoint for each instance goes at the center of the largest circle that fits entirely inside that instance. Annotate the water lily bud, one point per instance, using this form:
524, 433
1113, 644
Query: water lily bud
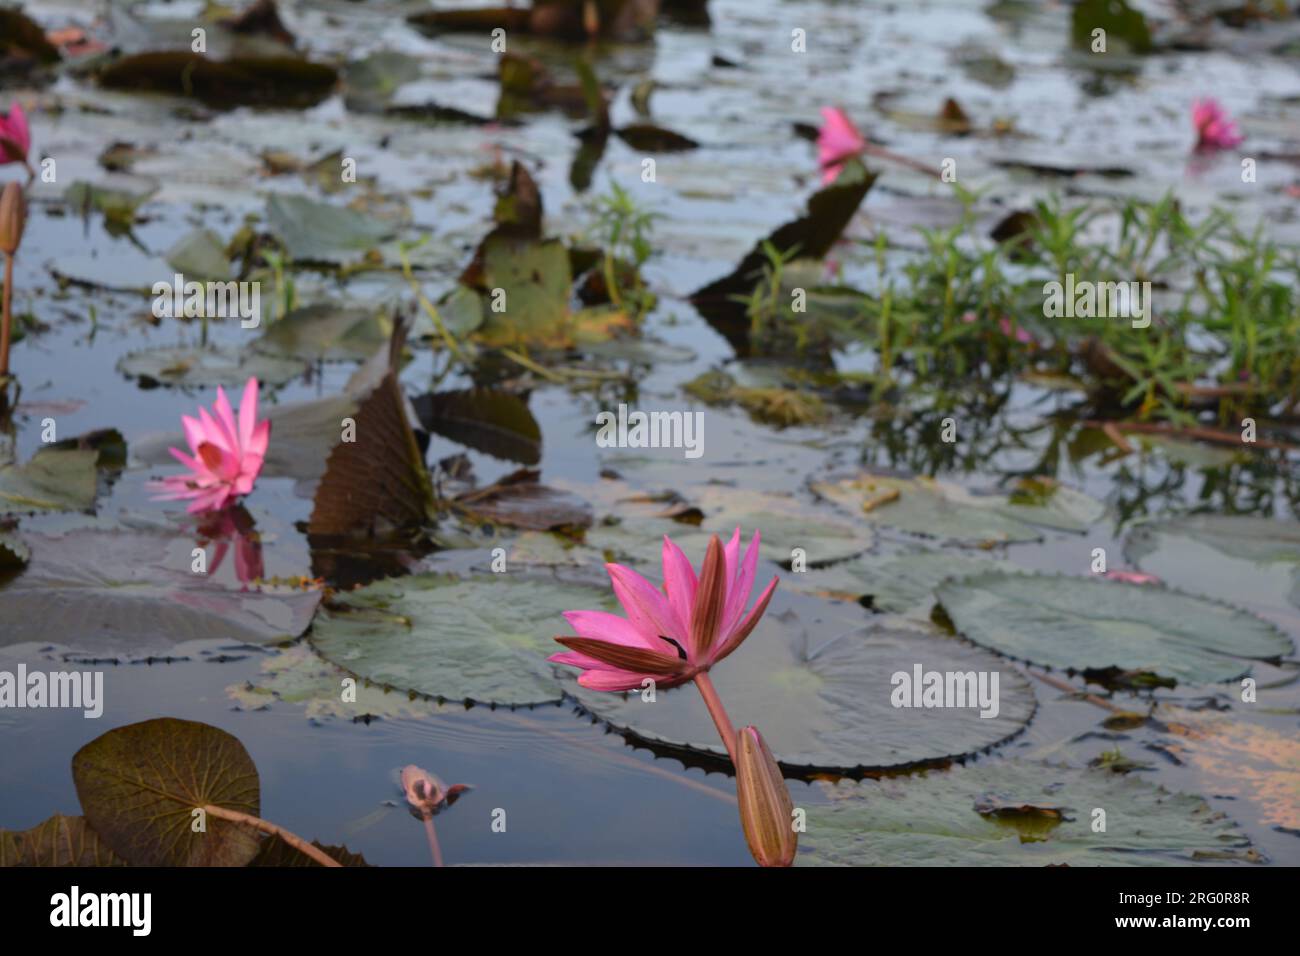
13, 217
766, 810
426, 793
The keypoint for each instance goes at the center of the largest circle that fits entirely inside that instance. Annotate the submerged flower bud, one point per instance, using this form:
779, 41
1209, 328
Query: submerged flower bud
426, 793
13, 217
766, 810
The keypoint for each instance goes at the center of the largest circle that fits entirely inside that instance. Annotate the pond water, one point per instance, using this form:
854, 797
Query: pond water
573, 789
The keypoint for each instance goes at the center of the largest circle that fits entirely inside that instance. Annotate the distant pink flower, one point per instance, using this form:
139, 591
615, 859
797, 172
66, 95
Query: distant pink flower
1132, 577
227, 455
671, 636
1020, 334
1214, 128
838, 140
15, 137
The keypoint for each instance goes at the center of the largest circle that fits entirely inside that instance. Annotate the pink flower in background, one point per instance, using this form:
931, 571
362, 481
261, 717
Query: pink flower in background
838, 140
1020, 334
15, 137
1132, 577
668, 636
227, 455
1214, 128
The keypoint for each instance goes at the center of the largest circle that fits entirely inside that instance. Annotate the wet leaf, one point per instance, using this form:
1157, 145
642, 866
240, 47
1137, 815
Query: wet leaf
485, 419
207, 367
1253, 561
1087, 624
482, 639
327, 332
297, 675
315, 231
649, 138
59, 841
200, 255
914, 821
377, 483
520, 501
276, 852
823, 692
111, 591
55, 479
1119, 21
283, 81
21, 36
897, 584
13, 553
536, 281
139, 786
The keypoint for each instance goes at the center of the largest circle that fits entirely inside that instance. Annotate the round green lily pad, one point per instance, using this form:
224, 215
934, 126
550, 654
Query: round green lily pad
822, 696
1014, 813
1083, 624
482, 639
206, 367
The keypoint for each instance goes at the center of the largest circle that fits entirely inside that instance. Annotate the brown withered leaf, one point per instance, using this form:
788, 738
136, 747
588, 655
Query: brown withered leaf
59, 841
276, 852
520, 501
649, 138
486, 419
240, 81
379, 482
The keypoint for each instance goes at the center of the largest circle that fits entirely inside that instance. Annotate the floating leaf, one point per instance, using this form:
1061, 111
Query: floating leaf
378, 482
822, 693
518, 500
927, 507
276, 852
130, 590
326, 332
649, 138
59, 841
486, 419
241, 81
1087, 624
1117, 21
205, 367
20, 36
535, 279
55, 479
1247, 560
315, 231
481, 639
140, 784
297, 675
898, 584
200, 255
915, 821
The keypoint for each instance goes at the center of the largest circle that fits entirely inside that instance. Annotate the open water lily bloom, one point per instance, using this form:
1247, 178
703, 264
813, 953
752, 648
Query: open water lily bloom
226, 454
669, 636
838, 141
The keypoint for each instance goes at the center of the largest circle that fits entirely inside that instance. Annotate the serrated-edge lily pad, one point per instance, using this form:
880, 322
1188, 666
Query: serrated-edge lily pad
823, 698
481, 639
1034, 815
315, 231
200, 367
59, 841
139, 786
126, 591
1089, 624
1253, 561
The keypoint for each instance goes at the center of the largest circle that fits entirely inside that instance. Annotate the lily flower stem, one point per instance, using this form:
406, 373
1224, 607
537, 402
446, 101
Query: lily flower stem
719, 713
6, 320
266, 826
433, 839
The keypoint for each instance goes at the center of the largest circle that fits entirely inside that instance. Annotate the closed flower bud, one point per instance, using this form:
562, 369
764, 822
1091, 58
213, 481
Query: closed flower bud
13, 216
766, 810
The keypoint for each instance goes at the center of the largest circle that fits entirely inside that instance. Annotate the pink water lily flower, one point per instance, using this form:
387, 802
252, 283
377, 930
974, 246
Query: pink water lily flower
1214, 128
15, 137
226, 455
668, 636
838, 141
